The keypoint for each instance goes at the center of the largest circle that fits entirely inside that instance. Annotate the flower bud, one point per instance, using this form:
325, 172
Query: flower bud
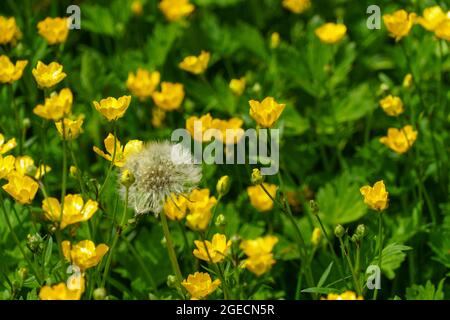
220, 220
407, 81
314, 207
26, 123
100, 294
361, 231
339, 231
127, 178
223, 185
73, 171
34, 242
257, 177
171, 281
23, 273
275, 40
316, 237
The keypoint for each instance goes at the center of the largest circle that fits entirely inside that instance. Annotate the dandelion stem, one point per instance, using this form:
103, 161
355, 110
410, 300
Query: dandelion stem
16, 240
380, 248
171, 252
117, 234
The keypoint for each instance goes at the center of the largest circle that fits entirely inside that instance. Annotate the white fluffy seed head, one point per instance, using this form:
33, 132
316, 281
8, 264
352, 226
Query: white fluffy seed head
161, 168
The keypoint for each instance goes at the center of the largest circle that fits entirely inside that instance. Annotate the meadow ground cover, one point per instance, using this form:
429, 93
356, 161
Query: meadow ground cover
347, 102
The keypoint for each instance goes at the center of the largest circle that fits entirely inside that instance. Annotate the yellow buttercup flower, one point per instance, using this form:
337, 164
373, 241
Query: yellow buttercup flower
401, 140
237, 86
84, 254
175, 207
112, 108
376, 197
316, 237
199, 285
170, 97
57, 106
432, 17
259, 252
174, 10
259, 198
442, 31
297, 6
399, 23
137, 8
49, 75
331, 33
10, 72
275, 40
8, 145
62, 291
206, 123
200, 205
392, 105
347, 295
75, 209
9, 32
143, 83
24, 165
6, 165
215, 250
22, 188
266, 112
72, 127
196, 65
121, 152
54, 30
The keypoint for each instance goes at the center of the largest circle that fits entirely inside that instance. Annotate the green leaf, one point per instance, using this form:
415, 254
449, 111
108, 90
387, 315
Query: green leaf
340, 201
48, 251
160, 43
392, 257
427, 292
325, 275
320, 290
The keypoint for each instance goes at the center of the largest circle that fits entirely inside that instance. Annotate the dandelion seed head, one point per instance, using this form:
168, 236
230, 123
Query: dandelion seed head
160, 168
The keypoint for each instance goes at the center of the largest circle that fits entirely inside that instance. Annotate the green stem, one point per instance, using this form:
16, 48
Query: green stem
330, 246
171, 251
350, 264
16, 113
115, 239
380, 248
16, 240
64, 169
213, 216
218, 270
113, 159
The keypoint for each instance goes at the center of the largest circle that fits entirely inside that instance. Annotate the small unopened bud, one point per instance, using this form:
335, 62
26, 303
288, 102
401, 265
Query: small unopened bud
127, 178
223, 185
220, 220
26, 123
73, 171
100, 294
171, 281
34, 242
339, 231
163, 241
355, 238
257, 177
256, 87
275, 40
31, 170
23, 273
316, 237
314, 207
407, 80
361, 231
